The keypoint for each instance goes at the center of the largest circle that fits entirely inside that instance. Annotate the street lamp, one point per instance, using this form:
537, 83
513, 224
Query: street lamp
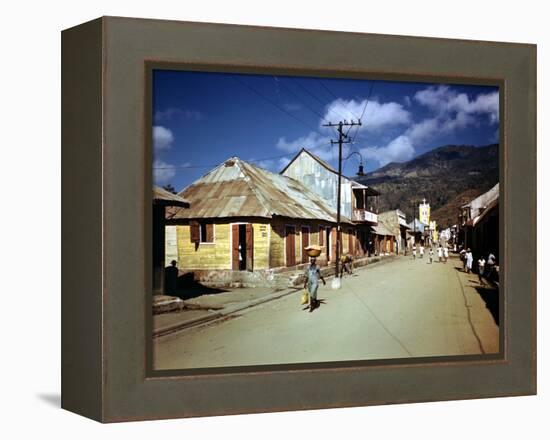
361, 171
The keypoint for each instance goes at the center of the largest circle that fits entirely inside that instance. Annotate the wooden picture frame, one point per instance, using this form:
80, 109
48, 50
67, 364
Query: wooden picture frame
106, 181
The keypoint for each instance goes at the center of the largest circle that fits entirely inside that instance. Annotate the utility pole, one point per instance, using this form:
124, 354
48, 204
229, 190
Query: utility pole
340, 142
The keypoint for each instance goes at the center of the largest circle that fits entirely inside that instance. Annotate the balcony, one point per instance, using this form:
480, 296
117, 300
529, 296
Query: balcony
362, 215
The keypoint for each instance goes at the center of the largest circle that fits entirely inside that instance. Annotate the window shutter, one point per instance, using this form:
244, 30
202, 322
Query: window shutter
210, 233
195, 232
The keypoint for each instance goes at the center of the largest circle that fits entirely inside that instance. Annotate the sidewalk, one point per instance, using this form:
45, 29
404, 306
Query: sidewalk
209, 307
482, 303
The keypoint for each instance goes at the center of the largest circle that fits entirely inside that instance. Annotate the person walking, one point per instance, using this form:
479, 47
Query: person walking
414, 252
312, 277
462, 255
439, 253
481, 270
421, 251
445, 254
469, 260
431, 253
491, 262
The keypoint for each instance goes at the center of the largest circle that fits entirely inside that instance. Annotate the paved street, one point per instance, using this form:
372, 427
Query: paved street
403, 308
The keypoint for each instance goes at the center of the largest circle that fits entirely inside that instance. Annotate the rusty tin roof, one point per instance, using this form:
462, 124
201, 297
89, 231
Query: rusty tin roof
236, 188
163, 197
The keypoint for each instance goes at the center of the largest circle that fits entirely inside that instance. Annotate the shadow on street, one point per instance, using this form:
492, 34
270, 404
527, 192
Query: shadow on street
490, 297
188, 288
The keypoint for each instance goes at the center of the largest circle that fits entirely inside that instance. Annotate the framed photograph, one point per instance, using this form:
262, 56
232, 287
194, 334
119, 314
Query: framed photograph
281, 219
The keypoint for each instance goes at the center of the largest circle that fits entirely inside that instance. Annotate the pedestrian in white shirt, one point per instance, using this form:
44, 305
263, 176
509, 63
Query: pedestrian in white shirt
446, 253
469, 260
439, 253
421, 251
431, 253
414, 252
481, 270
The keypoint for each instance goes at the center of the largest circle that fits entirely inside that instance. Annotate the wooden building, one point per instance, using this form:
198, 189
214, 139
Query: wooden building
395, 222
245, 218
358, 202
479, 223
162, 200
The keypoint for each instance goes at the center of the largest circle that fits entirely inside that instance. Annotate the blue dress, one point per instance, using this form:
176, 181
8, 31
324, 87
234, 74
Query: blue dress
313, 274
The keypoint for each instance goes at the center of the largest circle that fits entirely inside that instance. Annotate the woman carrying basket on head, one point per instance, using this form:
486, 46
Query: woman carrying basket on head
311, 283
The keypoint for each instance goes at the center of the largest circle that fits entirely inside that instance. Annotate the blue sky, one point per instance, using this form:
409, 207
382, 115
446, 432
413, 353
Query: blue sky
200, 119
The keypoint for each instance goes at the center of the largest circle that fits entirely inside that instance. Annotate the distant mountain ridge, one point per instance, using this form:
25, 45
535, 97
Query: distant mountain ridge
440, 175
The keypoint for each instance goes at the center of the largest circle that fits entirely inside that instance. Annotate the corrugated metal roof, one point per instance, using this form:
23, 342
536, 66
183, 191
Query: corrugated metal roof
489, 208
161, 196
381, 229
482, 201
237, 188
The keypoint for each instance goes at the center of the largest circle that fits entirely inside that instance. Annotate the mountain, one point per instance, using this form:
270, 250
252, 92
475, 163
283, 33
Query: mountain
445, 176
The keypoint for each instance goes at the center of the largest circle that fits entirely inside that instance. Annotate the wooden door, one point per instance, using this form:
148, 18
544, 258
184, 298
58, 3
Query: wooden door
351, 242
290, 246
235, 247
249, 247
305, 243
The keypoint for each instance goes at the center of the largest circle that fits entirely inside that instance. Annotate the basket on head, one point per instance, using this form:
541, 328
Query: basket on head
313, 250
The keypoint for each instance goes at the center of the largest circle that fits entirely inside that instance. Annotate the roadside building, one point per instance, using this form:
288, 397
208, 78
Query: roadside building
246, 219
395, 222
479, 223
358, 202
418, 232
385, 240
162, 201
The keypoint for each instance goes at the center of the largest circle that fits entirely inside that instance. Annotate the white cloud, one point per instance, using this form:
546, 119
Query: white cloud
162, 137
162, 172
398, 150
446, 102
376, 117
423, 130
311, 140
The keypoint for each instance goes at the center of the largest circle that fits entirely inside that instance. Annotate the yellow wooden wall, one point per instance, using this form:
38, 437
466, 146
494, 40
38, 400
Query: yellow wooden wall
277, 251
217, 255
261, 245
204, 256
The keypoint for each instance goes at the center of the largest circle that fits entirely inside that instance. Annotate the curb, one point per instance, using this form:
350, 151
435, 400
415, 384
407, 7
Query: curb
212, 316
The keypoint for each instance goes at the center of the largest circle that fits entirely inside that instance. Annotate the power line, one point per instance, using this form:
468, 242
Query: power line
363, 113
192, 166
304, 88
273, 103
298, 98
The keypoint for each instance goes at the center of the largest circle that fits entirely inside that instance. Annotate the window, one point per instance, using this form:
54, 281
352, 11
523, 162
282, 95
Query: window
202, 232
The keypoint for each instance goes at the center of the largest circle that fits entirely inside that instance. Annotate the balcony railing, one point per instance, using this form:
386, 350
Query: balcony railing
362, 215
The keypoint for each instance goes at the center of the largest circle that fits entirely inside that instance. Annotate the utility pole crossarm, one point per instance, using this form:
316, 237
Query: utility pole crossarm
340, 142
